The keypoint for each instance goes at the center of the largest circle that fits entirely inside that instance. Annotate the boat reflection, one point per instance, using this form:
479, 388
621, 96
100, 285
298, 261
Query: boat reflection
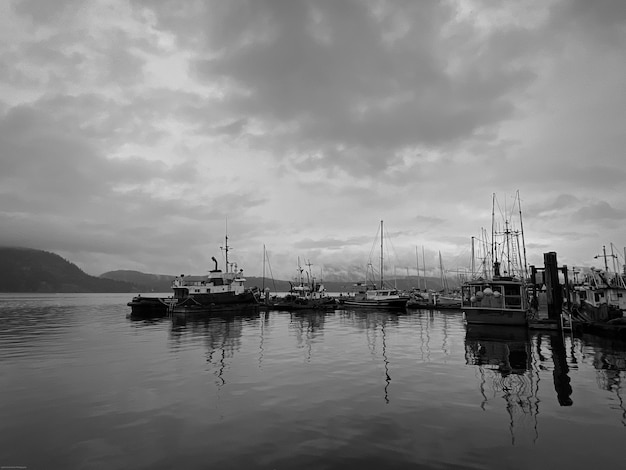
375, 322
308, 326
221, 335
509, 369
609, 360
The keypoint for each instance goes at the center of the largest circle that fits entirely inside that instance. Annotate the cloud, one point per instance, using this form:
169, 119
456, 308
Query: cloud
130, 128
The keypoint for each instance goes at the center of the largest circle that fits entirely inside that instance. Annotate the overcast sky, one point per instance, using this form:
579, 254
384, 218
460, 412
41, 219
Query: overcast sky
134, 134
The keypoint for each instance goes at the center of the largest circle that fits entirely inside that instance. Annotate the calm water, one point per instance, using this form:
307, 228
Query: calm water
83, 386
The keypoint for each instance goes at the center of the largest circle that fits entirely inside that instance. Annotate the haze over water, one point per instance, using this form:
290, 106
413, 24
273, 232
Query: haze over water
84, 386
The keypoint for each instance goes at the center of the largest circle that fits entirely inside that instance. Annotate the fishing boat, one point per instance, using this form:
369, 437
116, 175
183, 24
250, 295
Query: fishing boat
601, 294
220, 291
369, 296
500, 295
304, 295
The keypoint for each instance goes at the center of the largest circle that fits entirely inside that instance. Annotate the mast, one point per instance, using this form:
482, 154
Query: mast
507, 234
381, 254
614, 256
226, 249
443, 282
521, 226
473, 259
417, 266
493, 217
263, 282
310, 278
603, 255
424, 266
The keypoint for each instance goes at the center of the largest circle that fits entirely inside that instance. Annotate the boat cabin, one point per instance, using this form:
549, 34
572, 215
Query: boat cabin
497, 293
217, 282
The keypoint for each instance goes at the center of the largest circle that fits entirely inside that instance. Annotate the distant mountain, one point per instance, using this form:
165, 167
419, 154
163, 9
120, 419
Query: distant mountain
162, 283
29, 270
143, 282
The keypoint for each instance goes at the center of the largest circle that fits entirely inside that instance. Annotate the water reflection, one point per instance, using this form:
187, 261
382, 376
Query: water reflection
308, 326
503, 357
376, 323
609, 360
510, 362
220, 334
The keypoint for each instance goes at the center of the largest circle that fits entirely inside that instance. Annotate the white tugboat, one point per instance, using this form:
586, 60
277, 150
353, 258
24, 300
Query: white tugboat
220, 291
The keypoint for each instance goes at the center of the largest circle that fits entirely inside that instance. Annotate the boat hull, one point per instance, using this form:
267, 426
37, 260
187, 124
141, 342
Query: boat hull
293, 305
392, 304
222, 303
200, 311
495, 316
150, 307
602, 312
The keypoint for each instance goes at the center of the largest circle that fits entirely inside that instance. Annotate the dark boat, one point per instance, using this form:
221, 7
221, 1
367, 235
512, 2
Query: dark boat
309, 295
150, 307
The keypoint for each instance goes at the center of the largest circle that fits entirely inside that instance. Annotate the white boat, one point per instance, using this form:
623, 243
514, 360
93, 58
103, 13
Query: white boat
220, 291
369, 296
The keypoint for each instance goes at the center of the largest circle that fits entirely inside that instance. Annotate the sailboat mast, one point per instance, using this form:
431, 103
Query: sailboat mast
521, 226
424, 266
443, 284
381, 254
493, 217
417, 266
263, 282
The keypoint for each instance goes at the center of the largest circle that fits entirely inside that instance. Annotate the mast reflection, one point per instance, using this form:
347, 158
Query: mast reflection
503, 357
221, 335
308, 326
375, 324
510, 362
609, 360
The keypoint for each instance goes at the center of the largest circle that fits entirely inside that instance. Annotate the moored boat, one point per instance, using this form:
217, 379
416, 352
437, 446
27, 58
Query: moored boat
369, 296
501, 300
601, 294
219, 292
150, 307
309, 295
376, 298
496, 297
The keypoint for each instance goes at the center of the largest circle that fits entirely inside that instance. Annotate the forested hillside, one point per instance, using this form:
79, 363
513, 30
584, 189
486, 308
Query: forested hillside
29, 270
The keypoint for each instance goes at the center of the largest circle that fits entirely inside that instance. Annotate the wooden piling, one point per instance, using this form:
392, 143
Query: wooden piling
554, 293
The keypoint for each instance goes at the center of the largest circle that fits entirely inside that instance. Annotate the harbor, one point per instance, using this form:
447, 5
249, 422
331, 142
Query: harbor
90, 387
499, 288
